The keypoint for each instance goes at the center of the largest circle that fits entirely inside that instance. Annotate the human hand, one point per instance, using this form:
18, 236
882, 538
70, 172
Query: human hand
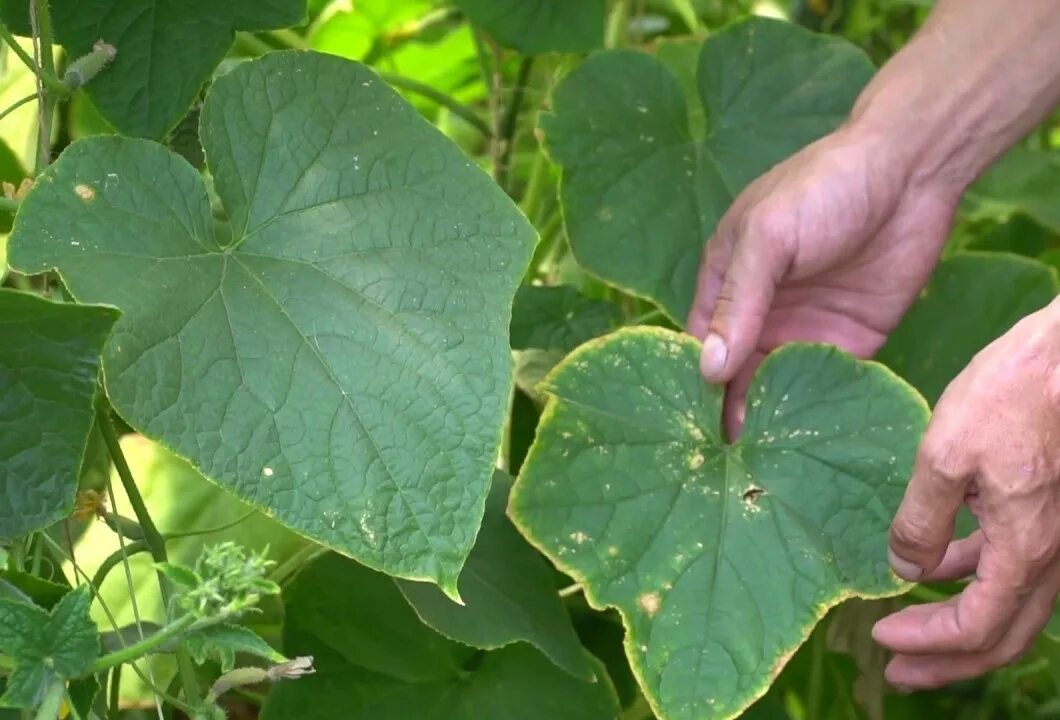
832, 245
994, 443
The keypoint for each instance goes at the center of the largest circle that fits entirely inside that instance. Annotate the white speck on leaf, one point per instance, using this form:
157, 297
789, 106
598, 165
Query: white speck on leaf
650, 602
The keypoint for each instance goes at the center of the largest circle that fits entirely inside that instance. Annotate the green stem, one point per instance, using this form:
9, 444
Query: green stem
38, 557
115, 559
511, 121
53, 700
535, 187
288, 38
450, 103
114, 694
926, 594
813, 700
646, 317
8, 204
17, 104
252, 45
50, 81
156, 544
148, 644
48, 100
491, 79
293, 564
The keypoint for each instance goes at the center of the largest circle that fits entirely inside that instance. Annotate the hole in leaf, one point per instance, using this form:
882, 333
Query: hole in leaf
751, 495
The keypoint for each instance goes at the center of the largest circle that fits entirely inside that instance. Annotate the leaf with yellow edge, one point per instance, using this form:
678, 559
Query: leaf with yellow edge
720, 557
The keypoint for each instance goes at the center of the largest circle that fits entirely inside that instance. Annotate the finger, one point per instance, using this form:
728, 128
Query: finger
760, 258
974, 620
960, 561
736, 396
931, 671
716, 258
923, 527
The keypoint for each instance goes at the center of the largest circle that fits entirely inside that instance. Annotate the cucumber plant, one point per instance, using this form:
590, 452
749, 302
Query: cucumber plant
342, 368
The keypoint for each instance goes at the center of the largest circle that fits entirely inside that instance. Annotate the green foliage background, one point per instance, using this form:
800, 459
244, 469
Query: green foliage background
392, 291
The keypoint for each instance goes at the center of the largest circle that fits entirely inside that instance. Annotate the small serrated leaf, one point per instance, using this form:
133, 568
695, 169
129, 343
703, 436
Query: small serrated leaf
222, 642
61, 645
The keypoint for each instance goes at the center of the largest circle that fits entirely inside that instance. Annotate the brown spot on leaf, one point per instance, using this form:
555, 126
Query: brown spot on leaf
85, 192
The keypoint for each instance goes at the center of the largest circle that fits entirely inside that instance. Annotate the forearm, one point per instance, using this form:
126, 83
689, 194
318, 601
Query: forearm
978, 76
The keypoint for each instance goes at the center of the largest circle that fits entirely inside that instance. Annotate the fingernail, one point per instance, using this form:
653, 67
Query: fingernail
715, 353
905, 569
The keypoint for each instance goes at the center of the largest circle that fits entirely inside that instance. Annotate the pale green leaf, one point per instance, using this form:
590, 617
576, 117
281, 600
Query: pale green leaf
1023, 180
509, 595
956, 317
49, 363
642, 190
221, 643
375, 659
344, 362
559, 318
537, 26
720, 558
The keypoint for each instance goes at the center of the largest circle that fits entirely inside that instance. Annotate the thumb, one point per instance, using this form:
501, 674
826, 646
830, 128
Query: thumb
923, 528
759, 263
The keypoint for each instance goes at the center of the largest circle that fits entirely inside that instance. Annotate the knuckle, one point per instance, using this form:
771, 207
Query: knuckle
978, 639
912, 532
767, 224
943, 460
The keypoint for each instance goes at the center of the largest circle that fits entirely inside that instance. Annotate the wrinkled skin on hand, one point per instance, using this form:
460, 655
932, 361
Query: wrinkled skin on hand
993, 442
833, 245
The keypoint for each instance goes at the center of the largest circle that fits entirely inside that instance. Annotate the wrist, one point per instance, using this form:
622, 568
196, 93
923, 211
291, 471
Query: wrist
974, 80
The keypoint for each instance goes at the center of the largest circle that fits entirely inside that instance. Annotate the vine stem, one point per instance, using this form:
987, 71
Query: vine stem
156, 544
491, 77
51, 703
17, 104
450, 103
40, 13
50, 81
139, 649
511, 121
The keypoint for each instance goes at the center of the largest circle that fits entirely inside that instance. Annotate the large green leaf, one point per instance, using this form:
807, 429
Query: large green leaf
642, 190
46, 646
49, 365
955, 317
559, 318
720, 558
509, 595
375, 659
537, 26
166, 49
343, 363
